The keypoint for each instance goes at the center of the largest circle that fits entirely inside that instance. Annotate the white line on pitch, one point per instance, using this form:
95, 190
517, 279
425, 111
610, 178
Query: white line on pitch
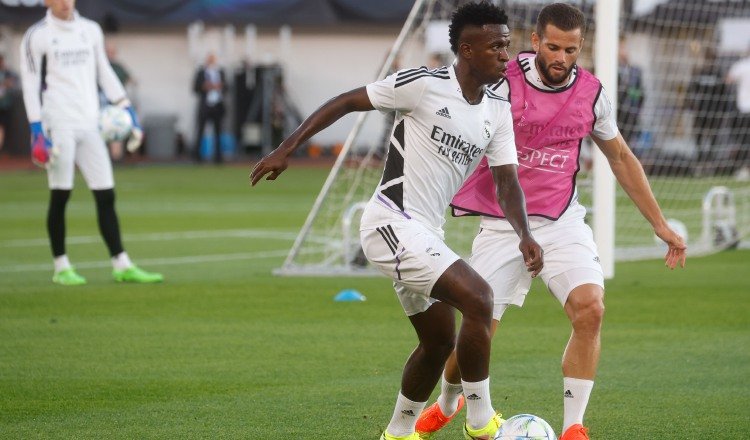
161, 236
156, 261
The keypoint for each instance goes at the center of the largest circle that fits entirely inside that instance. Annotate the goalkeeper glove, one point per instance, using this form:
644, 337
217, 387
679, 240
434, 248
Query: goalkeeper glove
136, 133
42, 151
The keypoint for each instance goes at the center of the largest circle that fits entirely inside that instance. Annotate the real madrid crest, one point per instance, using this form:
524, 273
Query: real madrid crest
486, 133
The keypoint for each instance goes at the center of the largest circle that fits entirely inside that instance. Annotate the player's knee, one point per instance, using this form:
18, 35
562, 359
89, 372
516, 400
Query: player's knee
480, 303
59, 198
445, 348
486, 300
104, 197
439, 349
590, 314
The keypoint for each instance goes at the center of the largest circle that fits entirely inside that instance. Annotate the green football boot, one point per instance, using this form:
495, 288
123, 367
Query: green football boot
486, 433
134, 274
68, 277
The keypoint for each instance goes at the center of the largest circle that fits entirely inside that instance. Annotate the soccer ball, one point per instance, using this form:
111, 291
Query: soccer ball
115, 123
525, 427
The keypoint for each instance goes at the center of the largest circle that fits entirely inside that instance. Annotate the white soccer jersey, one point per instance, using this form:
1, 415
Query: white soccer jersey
437, 141
62, 61
605, 127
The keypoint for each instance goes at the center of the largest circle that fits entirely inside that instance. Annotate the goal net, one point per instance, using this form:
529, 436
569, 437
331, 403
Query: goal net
674, 108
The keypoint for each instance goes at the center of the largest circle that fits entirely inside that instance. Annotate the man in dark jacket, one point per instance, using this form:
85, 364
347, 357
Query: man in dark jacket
210, 86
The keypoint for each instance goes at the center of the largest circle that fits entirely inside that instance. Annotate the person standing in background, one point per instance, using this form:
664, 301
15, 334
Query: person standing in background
739, 74
210, 86
116, 150
8, 81
120, 70
708, 98
629, 95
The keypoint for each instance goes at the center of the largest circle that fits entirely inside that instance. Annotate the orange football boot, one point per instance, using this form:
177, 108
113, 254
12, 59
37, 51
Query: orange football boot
433, 420
576, 432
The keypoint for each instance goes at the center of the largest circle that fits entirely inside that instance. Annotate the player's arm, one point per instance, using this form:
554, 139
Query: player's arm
31, 65
512, 201
276, 162
111, 86
630, 175
32, 52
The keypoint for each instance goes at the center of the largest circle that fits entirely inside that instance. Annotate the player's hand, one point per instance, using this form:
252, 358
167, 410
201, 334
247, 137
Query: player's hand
135, 140
136, 133
42, 151
677, 251
272, 165
532, 255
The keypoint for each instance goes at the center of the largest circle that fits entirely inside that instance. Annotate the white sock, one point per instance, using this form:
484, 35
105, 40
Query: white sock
478, 404
405, 415
448, 399
61, 263
575, 400
121, 261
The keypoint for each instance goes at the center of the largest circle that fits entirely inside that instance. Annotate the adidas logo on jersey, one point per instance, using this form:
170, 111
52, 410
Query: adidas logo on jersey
431, 252
443, 112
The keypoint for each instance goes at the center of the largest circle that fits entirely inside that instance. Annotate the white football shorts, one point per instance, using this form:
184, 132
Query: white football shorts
413, 256
570, 260
84, 149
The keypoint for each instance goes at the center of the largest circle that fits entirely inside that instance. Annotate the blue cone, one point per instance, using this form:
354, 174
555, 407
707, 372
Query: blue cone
349, 295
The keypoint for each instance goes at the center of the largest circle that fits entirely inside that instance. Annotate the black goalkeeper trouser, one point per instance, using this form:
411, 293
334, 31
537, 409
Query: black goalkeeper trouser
109, 225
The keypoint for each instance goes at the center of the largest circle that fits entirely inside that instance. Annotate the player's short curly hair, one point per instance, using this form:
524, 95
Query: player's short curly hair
562, 16
473, 14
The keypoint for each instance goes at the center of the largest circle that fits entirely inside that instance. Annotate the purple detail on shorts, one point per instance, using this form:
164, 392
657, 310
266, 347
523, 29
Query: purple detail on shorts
388, 205
398, 262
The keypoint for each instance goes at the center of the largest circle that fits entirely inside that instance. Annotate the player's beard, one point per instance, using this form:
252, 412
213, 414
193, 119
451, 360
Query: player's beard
547, 76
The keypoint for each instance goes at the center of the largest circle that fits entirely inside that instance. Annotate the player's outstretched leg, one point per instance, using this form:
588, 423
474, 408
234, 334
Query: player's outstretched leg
123, 270
464, 289
585, 308
435, 328
64, 274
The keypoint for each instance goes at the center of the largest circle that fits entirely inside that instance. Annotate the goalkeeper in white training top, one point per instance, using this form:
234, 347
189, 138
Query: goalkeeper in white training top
62, 62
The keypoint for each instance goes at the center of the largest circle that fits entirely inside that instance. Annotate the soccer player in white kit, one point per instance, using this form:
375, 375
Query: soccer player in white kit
572, 271
62, 62
445, 122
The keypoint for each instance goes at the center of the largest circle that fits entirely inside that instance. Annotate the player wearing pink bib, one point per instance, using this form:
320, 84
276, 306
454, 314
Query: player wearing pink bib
555, 104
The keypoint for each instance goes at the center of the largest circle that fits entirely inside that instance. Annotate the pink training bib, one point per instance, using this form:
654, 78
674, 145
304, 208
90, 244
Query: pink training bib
549, 126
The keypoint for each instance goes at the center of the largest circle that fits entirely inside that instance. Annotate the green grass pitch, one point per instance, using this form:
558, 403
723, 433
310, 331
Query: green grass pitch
225, 350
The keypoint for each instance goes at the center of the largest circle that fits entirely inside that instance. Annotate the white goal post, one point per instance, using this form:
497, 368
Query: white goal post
698, 171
